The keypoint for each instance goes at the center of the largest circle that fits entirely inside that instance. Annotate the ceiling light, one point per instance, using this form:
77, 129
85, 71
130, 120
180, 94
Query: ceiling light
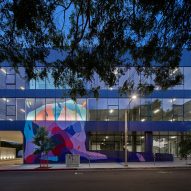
3, 70
22, 88
175, 70
134, 96
156, 111
111, 111
22, 110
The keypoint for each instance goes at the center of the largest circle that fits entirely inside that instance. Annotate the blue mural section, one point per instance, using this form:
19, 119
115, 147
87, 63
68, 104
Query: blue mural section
67, 136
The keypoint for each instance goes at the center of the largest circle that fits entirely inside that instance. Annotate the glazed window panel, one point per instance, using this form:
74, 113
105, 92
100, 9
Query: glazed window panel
147, 79
164, 144
50, 110
173, 144
30, 107
32, 84
156, 144
60, 109
70, 110
3, 72
21, 79
180, 86
50, 82
187, 78
102, 109
40, 109
123, 105
134, 76
177, 109
81, 109
167, 110
113, 112
113, 109
134, 109
21, 109
11, 101
91, 109
40, 83
11, 110
157, 111
10, 79
10, 70
145, 109
3, 102
187, 109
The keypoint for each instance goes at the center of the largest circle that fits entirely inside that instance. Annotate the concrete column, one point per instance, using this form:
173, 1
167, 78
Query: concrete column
134, 140
149, 141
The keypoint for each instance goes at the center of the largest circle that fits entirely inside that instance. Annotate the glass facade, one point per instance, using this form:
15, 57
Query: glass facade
162, 113
101, 109
12, 80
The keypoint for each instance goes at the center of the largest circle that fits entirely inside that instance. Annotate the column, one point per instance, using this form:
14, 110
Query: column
149, 141
134, 140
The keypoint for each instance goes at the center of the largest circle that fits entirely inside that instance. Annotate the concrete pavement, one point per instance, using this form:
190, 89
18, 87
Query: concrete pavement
16, 165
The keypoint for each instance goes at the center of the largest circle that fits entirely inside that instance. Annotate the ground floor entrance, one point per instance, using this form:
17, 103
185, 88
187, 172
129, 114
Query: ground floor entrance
11, 147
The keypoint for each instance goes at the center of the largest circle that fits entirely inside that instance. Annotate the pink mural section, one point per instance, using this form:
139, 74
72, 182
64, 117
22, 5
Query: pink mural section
65, 123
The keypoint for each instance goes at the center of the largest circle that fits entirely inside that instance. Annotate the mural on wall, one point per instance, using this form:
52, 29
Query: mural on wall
65, 123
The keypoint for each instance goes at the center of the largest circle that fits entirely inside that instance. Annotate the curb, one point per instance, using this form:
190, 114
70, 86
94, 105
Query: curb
94, 169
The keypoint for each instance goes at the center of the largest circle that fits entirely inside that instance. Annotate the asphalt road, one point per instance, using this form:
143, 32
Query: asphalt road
107, 180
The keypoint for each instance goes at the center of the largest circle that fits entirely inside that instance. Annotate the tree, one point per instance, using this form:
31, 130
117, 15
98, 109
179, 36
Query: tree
43, 143
185, 148
97, 37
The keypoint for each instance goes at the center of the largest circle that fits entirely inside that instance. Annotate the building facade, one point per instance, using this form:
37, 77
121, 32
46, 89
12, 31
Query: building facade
94, 128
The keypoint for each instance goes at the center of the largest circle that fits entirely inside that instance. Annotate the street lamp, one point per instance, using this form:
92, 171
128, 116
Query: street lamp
133, 97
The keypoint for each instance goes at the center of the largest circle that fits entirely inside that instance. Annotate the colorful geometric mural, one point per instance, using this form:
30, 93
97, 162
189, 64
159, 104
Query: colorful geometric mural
65, 123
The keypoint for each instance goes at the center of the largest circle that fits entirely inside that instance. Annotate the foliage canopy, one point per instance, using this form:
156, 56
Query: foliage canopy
185, 148
98, 37
42, 141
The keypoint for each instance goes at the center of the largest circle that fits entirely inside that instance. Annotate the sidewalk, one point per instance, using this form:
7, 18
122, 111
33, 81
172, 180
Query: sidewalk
99, 166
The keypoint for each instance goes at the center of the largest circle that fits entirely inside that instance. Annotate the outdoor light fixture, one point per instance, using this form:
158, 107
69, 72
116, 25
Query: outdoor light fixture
142, 119
107, 137
173, 137
4, 99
